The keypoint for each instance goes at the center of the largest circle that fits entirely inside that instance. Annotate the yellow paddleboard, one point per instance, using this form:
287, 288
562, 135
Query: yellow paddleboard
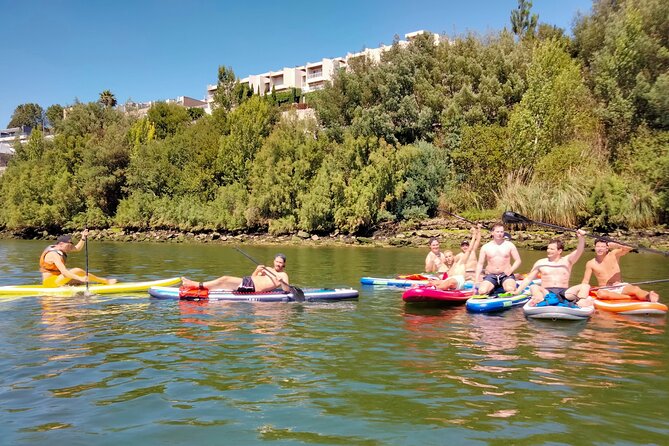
120, 287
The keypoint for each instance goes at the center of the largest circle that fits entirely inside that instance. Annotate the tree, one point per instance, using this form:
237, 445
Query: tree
168, 118
54, 115
107, 99
522, 23
27, 115
624, 46
195, 113
555, 109
225, 90
250, 124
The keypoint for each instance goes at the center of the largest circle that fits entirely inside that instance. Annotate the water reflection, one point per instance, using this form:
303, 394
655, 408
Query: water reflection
373, 371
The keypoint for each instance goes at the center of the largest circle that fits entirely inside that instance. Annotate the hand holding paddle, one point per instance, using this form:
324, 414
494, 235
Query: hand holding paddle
298, 294
510, 217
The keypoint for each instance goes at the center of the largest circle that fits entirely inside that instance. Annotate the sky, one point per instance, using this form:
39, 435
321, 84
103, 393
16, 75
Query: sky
59, 51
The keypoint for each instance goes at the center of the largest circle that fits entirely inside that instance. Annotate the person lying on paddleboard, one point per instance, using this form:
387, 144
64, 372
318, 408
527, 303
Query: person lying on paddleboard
555, 273
606, 269
497, 255
457, 272
261, 280
53, 269
437, 261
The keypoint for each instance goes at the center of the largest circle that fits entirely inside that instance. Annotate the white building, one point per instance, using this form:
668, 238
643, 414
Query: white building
313, 75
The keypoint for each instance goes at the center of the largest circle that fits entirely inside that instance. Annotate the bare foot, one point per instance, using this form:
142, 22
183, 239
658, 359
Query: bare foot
585, 302
111, 281
188, 282
653, 296
534, 301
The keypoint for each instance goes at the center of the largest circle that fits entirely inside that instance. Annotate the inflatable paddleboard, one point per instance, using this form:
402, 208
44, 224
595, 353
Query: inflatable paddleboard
310, 295
403, 283
384, 281
489, 304
554, 312
432, 294
119, 287
631, 306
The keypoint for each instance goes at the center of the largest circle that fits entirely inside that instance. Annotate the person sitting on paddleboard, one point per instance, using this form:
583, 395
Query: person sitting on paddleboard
53, 269
457, 273
606, 269
465, 247
555, 273
437, 261
497, 255
262, 279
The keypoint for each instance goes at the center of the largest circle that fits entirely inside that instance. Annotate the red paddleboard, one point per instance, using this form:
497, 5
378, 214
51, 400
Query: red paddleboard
432, 294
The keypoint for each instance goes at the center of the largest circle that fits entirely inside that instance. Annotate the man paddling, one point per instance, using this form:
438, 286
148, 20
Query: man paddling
606, 268
261, 280
53, 269
555, 273
497, 255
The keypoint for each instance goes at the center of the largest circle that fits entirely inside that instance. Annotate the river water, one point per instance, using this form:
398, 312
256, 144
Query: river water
133, 370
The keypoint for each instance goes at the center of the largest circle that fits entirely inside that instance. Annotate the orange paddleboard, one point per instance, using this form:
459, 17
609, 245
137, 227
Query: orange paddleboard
631, 306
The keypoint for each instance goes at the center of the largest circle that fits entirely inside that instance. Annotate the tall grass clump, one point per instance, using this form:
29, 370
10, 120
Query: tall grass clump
557, 190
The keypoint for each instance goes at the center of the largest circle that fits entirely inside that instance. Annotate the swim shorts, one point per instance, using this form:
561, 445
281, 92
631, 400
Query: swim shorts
247, 285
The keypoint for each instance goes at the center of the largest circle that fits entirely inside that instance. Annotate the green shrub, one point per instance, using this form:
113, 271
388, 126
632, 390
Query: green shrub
284, 225
615, 203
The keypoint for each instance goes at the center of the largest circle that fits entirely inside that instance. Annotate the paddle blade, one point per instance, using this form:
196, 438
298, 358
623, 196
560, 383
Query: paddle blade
298, 294
510, 217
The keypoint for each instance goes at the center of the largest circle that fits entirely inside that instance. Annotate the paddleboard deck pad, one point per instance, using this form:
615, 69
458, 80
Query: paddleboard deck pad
490, 304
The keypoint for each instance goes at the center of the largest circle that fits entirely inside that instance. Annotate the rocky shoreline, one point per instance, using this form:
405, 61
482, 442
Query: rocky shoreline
450, 232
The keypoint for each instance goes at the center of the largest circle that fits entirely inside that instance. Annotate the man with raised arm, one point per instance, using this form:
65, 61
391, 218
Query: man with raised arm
555, 272
606, 268
497, 255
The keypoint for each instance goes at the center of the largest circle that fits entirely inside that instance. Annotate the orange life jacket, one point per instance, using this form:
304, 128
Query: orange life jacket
48, 267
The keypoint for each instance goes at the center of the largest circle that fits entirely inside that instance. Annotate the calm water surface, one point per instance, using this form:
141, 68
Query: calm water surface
133, 370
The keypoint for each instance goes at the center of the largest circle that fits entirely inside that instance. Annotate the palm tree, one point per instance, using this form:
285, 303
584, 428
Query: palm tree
107, 99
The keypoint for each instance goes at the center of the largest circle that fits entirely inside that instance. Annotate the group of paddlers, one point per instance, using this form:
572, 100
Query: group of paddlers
493, 271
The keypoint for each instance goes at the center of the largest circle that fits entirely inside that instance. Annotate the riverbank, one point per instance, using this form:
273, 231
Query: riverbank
450, 232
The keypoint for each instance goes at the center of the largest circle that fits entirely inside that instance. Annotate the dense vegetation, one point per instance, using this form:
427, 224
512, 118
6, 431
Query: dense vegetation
569, 130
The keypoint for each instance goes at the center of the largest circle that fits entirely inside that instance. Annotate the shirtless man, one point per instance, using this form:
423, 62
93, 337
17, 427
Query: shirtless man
555, 273
606, 269
437, 261
497, 255
457, 273
261, 280
53, 269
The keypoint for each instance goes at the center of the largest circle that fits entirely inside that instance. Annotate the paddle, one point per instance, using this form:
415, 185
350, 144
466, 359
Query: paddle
633, 283
466, 220
298, 294
510, 217
461, 218
86, 253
